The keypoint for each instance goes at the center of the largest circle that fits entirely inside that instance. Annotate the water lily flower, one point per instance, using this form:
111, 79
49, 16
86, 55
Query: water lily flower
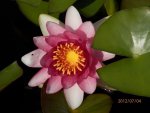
65, 55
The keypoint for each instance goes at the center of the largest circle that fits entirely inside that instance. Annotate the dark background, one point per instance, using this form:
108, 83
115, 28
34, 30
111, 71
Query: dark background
16, 34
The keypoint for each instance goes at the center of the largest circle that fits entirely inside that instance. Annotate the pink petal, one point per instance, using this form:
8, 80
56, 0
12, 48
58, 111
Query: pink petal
107, 56
54, 40
71, 35
74, 96
88, 85
99, 65
83, 75
54, 85
88, 29
68, 81
39, 78
33, 58
95, 76
46, 60
41, 43
54, 29
73, 19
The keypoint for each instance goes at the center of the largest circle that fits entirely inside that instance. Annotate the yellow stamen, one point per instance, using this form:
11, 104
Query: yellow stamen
69, 58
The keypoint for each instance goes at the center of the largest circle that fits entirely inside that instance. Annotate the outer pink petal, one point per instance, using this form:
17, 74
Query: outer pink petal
68, 81
54, 40
88, 85
71, 35
54, 85
41, 43
73, 19
33, 58
39, 78
54, 29
74, 96
107, 56
88, 29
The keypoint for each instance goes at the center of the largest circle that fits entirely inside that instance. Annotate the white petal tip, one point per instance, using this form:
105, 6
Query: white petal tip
74, 96
107, 55
43, 19
31, 83
32, 59
26, 61
100, 22
73, 18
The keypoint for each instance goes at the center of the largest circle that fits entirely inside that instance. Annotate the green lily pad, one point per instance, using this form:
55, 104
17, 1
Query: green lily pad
56, 103
89, 8
9, 74
111, 6
134, 3
96, 103
127, 33
129, 75
59, 6
33, 8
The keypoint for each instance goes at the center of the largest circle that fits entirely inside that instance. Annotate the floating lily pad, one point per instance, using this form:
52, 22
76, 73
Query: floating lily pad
9, 74
96, 103
111, 6
129, 75
134, 3
56, 103
33, 8
127, 33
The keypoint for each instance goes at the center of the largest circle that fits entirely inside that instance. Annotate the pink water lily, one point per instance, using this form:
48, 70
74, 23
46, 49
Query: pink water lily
65, 55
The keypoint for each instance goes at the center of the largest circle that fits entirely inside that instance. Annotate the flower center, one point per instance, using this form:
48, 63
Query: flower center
72, 57
69, 58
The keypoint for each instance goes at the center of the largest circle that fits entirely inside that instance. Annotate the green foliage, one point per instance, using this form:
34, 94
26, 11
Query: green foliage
127, 33
59, 6
134, 3
89, 8
9, 74
56, 103
111, 6
33, 8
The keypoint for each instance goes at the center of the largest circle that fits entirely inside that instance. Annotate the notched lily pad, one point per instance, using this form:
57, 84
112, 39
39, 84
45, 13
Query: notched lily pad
127, 33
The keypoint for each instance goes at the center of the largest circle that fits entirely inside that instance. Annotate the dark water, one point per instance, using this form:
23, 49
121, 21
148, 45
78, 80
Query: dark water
16, 34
